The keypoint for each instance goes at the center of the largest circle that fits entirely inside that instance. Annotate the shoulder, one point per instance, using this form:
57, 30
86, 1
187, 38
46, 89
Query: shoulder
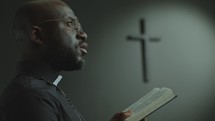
30, 105
27, 97
28, 88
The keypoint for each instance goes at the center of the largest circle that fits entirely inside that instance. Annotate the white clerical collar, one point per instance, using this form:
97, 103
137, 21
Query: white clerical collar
57, 80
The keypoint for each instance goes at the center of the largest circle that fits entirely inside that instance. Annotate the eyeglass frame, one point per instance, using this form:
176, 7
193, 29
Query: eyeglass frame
76, 25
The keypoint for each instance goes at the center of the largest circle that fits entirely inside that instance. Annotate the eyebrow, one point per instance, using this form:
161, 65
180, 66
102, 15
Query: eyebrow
72, 17
75, 18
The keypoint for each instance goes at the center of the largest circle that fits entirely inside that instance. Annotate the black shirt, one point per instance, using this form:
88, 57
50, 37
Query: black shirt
31, 96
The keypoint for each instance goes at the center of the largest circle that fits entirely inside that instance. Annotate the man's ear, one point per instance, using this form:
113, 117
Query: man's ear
36, 35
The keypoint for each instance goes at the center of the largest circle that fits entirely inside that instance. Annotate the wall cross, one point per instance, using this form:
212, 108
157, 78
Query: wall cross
143, 39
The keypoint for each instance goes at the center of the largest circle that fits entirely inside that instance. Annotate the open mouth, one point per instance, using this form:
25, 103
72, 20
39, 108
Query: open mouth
83, 48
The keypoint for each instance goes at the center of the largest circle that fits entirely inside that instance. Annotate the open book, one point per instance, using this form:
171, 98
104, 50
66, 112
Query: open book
149, 103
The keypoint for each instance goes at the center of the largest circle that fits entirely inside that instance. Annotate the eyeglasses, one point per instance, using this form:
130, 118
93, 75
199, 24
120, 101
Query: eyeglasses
72, 23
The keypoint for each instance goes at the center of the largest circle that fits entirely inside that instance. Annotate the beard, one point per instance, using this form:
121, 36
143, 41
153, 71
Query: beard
64, 58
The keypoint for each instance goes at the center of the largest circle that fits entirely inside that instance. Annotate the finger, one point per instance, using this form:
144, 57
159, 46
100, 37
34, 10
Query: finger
144, 119
128, 113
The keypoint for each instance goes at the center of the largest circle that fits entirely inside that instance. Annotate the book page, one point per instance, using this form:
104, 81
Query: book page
150, 102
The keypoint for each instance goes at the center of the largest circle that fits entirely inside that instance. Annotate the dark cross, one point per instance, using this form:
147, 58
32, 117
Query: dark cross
143, 40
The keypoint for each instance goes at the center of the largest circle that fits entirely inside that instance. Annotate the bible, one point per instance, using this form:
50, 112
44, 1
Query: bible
149, 103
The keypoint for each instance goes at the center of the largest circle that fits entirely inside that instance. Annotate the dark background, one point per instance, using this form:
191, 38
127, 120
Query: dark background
112, 79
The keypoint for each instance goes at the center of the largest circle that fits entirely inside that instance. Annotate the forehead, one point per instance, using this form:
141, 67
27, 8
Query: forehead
66, 12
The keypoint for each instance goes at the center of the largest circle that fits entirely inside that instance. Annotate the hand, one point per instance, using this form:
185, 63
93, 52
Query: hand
121, 116
144, 119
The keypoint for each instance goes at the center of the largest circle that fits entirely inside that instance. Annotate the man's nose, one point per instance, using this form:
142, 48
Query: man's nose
81, 35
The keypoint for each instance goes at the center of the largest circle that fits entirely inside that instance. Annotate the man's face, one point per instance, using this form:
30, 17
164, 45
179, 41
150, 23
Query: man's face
64, 41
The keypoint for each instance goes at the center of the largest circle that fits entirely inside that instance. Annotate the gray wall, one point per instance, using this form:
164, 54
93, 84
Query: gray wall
183, 60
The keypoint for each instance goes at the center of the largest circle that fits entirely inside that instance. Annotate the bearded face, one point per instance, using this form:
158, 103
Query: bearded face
64, 41
64, 58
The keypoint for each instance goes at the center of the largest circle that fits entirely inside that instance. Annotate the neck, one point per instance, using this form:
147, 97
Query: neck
39, 68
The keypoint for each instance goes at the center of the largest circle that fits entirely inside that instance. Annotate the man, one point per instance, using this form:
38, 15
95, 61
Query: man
52, 41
